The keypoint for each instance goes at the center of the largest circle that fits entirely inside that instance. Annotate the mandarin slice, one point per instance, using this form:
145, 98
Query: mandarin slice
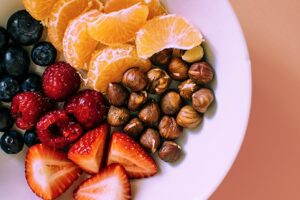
78, 46
168, 31
155, 7
119, 27
62, 13
109, 65
39, 9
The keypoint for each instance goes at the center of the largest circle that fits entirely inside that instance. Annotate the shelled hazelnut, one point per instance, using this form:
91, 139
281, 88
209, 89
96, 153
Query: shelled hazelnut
135, 79
170, 152
170, 103
177, 53
201, 73
159, 81
169, 129
193, 55
118, 116
202, 99
150, 113
134, 128
188, 117
137, 100
117, 94
162, 58
150, 140
178, 69
187, 88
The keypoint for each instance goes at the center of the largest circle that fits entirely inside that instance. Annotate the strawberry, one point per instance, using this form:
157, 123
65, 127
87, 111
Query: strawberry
127, 152
111, 183
88, 151
48, 171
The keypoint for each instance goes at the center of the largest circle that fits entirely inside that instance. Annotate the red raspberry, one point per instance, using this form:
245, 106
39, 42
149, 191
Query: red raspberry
88, 107
28, 107
57, 130
60, 80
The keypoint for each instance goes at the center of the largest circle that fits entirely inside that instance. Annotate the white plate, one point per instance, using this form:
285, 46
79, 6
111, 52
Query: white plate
209, 151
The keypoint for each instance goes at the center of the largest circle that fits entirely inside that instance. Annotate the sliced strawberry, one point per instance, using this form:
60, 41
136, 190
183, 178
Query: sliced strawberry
88, 151
110, 184
48, 171
125, 151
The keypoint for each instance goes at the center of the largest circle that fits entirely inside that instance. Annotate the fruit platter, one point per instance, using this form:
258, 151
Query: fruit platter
99, 98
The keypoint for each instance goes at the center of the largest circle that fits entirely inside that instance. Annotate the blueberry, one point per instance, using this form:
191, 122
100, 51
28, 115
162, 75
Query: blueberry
12, 142
31, 138
23, 29
6, 121
9, 87
31, 83
43, 54
16, 61
4, 38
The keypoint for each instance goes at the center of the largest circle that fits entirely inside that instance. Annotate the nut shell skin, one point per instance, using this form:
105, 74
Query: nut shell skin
201, 73
170, 152
188, 117
150, 140
187, 88
178, 69
159, 81
118, 116
134, 128
135, 79
117, 94
171, 103
137, 100
162, 58
202, 99
169, 129
150, 114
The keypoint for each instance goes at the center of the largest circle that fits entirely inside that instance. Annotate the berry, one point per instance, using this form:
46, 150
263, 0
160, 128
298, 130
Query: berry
6, 121
48, 171
28, 107
43, 54
31, 138
88, 151
31, 83
57, 130
12, 142
89, 107
127, 152
16, 61
60, 80
4, 38
111, 183
9, 87
23, 29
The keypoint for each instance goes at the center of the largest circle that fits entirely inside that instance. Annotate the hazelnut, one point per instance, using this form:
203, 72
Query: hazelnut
117, 94
118, 116
162, 58
170, 103
187, 88
202, 99
188, 117
134, 128
178, 53
169, 129
201, 73
150, 140
159, 81
135, 79
170, 152
150, 113
137, 100
178, 69
193, 55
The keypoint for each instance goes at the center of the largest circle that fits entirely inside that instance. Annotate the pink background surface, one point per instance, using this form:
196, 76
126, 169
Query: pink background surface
268, 165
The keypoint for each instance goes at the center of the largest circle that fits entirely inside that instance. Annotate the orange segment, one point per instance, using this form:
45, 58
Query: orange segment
109, 65
62, 13
169, 31
78, 46
155, 7
39, 9
120, 26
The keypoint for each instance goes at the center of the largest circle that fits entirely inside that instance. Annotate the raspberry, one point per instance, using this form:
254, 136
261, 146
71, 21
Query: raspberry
60, 80
28, 107
88, 107
57, 130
